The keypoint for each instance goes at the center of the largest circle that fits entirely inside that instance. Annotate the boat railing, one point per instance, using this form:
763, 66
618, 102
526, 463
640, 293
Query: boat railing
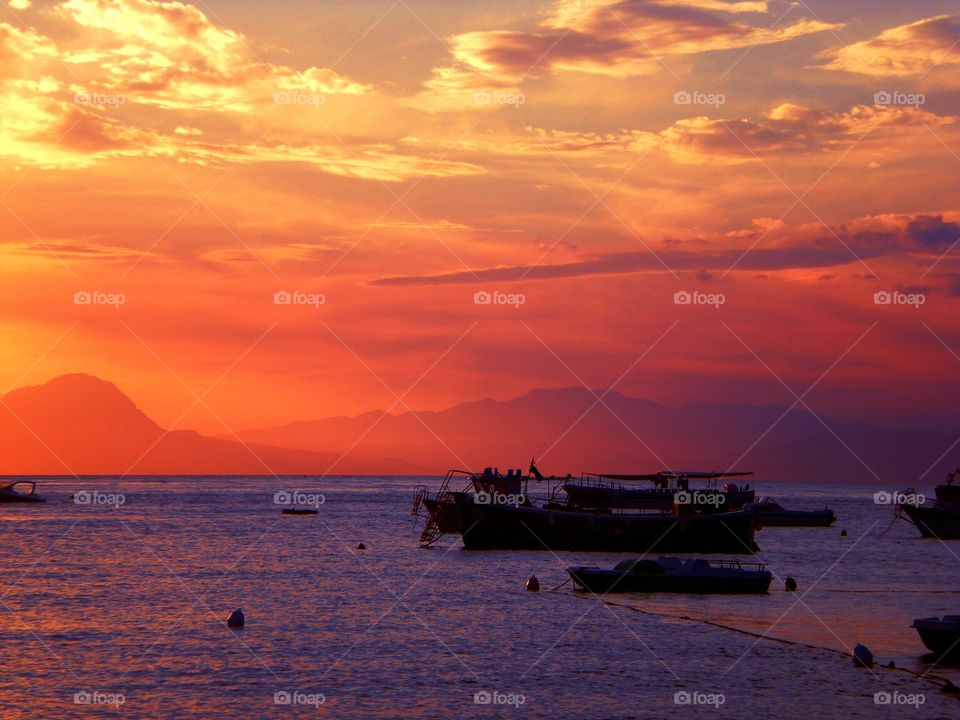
737, 565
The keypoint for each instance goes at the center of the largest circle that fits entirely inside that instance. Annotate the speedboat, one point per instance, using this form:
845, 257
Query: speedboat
941, 519
671, 574
772, 513
9, 492
941, 635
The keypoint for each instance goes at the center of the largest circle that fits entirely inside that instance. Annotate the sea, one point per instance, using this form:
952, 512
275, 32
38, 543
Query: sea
114, 597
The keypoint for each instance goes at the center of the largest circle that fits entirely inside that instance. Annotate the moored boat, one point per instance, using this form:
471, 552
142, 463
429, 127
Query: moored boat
675, 575
10, 494
558, 527
940, 635
771, 513
934, 521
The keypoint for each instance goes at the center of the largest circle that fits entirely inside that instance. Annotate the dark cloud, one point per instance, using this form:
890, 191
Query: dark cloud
931, 230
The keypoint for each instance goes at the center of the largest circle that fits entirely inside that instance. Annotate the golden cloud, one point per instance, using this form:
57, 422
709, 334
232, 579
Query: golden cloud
902, 51
615, 38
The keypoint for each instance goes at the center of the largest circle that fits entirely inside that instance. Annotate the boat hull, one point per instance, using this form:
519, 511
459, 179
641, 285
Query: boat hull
513, 528
611, 581
445, 514
937, 522
12, 497
944, 642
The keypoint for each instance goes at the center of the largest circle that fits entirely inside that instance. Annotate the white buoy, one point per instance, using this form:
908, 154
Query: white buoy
236, 618
862, 657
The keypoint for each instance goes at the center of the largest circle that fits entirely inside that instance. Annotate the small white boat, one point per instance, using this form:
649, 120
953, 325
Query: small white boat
941, 635
671, 574
9, 492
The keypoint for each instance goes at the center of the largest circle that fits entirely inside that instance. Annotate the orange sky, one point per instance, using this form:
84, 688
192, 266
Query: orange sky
397, 158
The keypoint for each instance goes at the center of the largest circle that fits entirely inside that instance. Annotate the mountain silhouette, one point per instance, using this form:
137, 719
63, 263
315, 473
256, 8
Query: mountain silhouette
80, 424
84, 425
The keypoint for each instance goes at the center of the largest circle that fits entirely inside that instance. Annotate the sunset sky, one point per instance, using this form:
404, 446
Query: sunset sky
581, 160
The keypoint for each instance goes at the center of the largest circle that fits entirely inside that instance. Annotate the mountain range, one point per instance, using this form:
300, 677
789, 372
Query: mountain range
84, 425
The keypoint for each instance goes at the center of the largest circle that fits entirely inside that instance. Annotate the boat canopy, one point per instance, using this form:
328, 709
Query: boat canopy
672, 475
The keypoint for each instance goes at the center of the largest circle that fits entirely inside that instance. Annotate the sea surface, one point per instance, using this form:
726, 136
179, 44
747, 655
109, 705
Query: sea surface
117, 608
